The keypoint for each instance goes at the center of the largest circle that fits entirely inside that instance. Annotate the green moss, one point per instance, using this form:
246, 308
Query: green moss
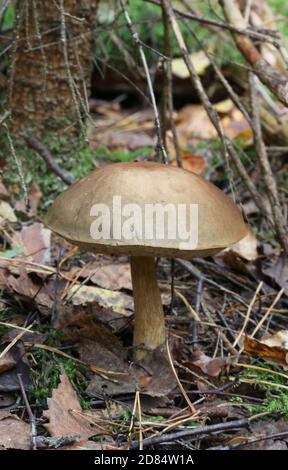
276, 399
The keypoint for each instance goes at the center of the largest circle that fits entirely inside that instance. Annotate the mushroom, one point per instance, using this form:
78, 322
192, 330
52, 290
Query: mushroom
126, 193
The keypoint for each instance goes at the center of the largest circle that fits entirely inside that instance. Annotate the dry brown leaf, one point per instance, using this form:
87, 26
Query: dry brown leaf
208, 365
236, 126
7, 362
194, 163
278, 339
34, 198
113, 276
279, 273
14, 433
62, 413
273, 349
3, 191
35, 239
31, 288
194, 125
6, 213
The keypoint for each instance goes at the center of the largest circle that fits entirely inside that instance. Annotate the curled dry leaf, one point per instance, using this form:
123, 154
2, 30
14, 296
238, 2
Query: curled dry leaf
14, 433
273, 349
208, 365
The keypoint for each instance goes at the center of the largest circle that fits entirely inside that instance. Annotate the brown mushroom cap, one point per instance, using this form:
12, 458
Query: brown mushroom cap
220, 222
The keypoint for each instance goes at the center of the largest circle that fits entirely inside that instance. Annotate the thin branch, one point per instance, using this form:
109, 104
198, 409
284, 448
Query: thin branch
44, 153
236, 424
229, 148
223, 25
276, 83
268, 177
29, 411
135, 37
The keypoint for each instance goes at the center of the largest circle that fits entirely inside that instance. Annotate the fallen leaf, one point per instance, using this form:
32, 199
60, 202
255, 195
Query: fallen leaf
154, 374
99, 387
7, 362
6, 399
224, 107
199, 60
278, 339
96, 343
3, 278
17, 363
274, 353
278, 272
118, 301
35, 240
236, 126
208, 365
194, 163
31, 288
113, 276
34, 198
62, 413
6, 213
14, 433
194, 125
262, 429
3, 191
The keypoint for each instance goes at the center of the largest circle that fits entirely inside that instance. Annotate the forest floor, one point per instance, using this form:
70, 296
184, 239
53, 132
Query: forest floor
67, 379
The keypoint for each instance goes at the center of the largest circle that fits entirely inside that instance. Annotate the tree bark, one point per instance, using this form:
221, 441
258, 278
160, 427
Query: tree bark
51, 64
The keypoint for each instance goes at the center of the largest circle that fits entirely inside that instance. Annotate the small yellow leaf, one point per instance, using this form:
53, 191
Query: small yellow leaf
199, 60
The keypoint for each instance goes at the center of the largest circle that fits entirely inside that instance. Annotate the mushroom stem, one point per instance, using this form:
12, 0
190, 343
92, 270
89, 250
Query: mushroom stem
149, 327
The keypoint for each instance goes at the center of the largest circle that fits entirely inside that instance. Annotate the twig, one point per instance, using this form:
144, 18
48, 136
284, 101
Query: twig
236, 424
132, 420
214, 326
189, 403
18, 165
229, 149
167, 97
14, 341
268, 177
43, 152
223, 25
247, 316
135, 36
44, 442
270, 309
29, 411
278, 84
277, 435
